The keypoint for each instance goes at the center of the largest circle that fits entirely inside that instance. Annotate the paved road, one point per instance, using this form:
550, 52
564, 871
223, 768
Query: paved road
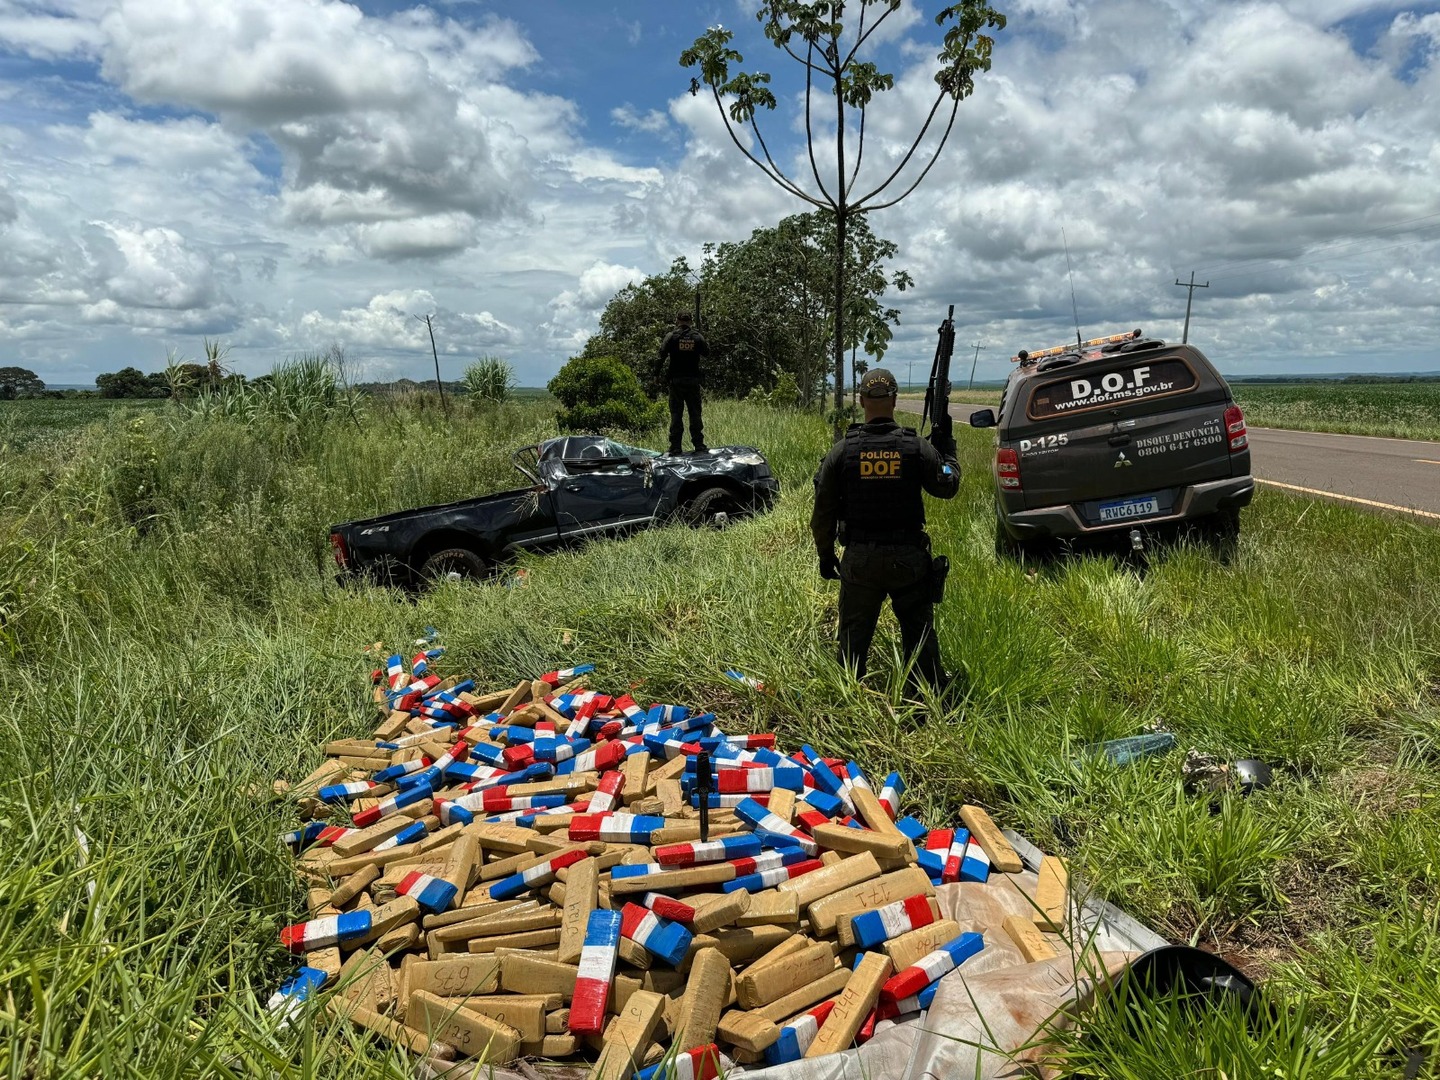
1384, 474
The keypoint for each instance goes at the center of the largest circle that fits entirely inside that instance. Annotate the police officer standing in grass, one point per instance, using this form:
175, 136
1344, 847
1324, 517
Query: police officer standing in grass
680, 353
867, 493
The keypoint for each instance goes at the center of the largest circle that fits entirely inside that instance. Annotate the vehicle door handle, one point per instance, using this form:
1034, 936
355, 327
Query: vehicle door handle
1119, 440
572, 487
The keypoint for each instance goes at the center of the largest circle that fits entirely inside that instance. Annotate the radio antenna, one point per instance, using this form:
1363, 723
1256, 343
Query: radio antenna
1069, 270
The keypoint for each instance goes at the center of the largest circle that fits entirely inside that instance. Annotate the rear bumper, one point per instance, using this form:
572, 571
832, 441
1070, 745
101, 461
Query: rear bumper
1191, 502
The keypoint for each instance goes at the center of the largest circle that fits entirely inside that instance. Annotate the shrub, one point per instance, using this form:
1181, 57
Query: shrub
786, 394
489, 379
600, 394
306, 389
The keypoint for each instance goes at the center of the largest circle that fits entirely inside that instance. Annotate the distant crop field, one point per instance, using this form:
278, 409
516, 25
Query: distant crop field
25, 422
1396, 410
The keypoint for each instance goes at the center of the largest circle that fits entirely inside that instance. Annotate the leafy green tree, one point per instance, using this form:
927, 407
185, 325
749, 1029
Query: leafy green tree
600, 394
767, 307
772, 294
128, 382
816, 37
637, 319
18, 382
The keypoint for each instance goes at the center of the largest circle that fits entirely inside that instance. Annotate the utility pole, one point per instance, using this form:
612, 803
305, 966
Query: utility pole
1185, 337
445, 405
909, 371
977, 349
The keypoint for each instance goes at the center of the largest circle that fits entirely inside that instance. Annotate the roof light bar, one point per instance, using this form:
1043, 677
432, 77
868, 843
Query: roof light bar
1024, 357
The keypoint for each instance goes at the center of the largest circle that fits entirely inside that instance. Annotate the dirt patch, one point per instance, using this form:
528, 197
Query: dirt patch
1380, 789
1257, 945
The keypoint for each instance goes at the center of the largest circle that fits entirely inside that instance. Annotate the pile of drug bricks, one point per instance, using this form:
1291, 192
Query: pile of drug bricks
521, 874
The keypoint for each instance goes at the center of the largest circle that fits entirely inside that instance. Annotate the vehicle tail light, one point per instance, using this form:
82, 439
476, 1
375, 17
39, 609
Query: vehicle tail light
1235, 429
1007, 468
341, 552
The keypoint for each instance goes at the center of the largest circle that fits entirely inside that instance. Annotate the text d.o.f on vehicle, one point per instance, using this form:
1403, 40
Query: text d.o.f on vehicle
1113, 434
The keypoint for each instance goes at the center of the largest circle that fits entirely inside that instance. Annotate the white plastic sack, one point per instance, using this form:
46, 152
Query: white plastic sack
985, 1013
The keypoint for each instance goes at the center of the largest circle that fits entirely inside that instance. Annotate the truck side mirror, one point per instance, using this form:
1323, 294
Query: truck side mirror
983, 418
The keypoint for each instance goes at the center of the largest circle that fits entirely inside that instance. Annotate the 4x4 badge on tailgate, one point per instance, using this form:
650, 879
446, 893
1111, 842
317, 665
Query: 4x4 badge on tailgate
1123, 460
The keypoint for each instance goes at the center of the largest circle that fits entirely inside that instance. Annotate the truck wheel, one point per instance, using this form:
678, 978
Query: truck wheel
1225, 525
1221, 531
1006, 546
454, 564
1022, 551
713, 508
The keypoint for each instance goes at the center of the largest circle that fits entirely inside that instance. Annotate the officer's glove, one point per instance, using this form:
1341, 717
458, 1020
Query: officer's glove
830, 567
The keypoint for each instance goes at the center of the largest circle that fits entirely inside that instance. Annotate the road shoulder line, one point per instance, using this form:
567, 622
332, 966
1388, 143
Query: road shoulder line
1349, 498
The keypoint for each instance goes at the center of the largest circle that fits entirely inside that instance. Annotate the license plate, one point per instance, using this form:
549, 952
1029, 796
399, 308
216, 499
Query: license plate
1126, 509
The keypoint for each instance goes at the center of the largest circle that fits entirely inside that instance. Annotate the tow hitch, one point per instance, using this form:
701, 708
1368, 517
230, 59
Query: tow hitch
1137, 540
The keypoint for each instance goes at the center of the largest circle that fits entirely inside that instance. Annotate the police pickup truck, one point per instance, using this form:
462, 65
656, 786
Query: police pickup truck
1118, 434
581, 487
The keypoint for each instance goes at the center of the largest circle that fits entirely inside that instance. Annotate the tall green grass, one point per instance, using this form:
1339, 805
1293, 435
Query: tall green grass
172, 639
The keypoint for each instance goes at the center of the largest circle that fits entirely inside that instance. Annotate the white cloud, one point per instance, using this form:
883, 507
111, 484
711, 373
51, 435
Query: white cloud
394, 320
418, 238
652, 121
589, 165
152, 268
376, 119
271, 61
486, 332
48, 34
575, 312
300, 171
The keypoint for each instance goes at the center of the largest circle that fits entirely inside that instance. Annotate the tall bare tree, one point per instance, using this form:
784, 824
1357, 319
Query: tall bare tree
815, 36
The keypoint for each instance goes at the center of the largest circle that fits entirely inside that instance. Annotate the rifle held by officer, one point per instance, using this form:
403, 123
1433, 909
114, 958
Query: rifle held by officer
937, 394
942, 434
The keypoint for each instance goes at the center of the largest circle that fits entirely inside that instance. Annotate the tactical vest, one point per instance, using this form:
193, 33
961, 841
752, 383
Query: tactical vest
684, 355
881, 495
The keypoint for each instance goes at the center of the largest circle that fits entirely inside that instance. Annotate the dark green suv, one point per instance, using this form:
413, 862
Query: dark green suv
1116, 435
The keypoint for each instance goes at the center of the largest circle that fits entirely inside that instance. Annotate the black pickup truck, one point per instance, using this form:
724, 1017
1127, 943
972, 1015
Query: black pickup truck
580, 487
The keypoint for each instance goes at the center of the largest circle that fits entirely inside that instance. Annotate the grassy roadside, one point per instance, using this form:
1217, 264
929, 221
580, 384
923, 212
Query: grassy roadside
170, 638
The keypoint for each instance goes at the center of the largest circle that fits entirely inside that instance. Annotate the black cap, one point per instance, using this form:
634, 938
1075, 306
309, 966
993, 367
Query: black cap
878, 383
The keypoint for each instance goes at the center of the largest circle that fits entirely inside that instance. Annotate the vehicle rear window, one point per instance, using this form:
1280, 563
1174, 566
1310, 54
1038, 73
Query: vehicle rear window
1080, 390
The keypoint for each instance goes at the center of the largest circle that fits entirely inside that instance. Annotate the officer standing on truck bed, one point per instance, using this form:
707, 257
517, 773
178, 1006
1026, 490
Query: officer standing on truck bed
867, 493
680, 353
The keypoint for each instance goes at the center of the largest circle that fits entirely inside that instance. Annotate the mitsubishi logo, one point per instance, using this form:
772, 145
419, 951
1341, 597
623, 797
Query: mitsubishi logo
1122, 461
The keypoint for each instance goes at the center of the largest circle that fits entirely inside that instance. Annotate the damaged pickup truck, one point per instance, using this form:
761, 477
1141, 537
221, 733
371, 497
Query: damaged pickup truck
581, 487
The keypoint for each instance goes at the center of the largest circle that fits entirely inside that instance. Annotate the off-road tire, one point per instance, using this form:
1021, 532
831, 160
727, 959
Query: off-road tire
1021, 551
461, 563
1221, 532
1224, 525
704, 510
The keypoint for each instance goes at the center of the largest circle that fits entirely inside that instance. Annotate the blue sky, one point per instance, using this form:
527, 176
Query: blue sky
284, 174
